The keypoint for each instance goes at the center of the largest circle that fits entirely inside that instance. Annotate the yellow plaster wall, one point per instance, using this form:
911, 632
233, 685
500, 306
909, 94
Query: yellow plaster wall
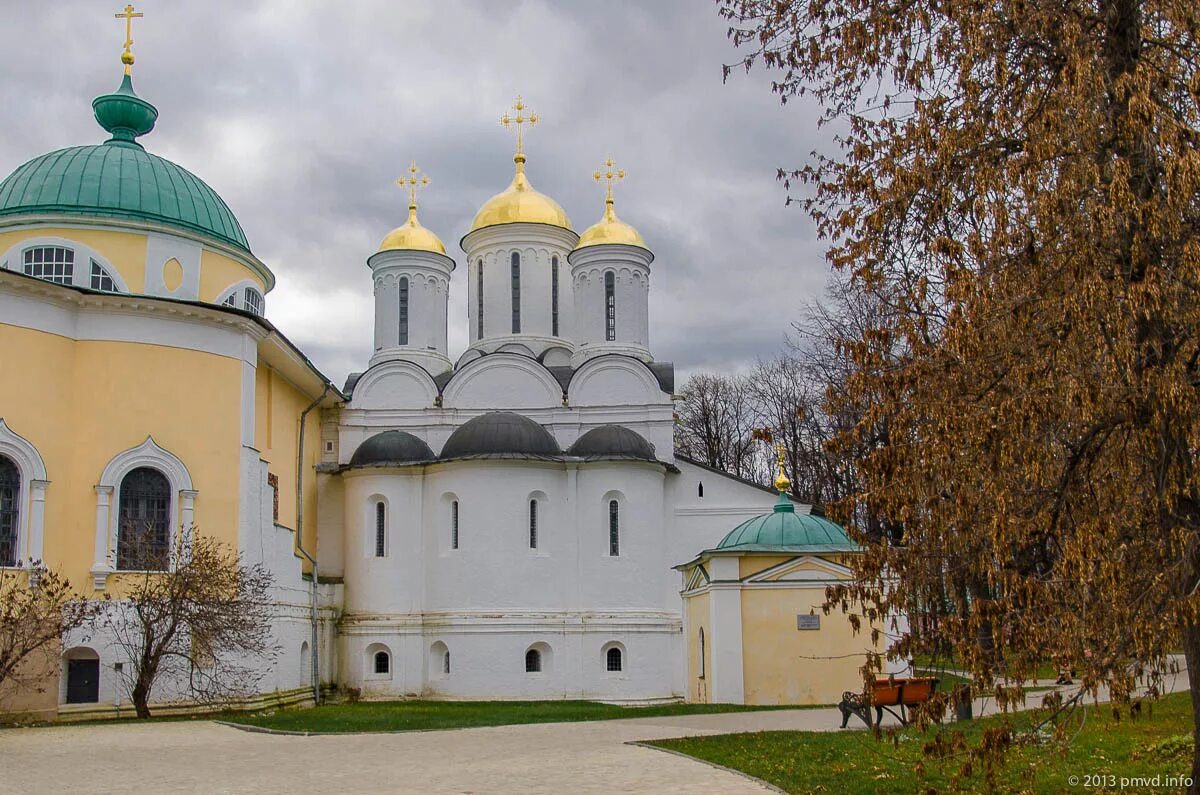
784, 665
749, 565
125, 251
218, 272
80, 403
278, 405
697, 608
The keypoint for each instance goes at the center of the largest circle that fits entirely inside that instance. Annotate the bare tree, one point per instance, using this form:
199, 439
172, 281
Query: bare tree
716, 422
201, 619
37, 608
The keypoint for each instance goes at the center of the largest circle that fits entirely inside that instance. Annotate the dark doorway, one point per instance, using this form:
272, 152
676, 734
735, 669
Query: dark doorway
83, 681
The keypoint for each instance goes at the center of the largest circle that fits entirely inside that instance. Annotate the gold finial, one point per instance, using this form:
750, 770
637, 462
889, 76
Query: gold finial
610, 174
414, 180
518, 119
782, 484
128, 15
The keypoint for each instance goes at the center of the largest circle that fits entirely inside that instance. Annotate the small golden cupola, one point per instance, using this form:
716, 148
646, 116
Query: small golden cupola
411, 236
519, 202
610, 229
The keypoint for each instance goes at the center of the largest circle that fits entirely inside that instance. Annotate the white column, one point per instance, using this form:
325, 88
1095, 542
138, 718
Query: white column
37, 517
725, 641
187, 520
102, 564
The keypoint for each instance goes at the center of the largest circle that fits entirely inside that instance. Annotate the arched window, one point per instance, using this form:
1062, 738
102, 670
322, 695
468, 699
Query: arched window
143, 531
701, 652
614, 528
479, 300
380, 530
533, 524
516, 293
700, 490
454, 524
101, 279
533, 661
253, 301
10, 510
52, 263
403, 310
612, 659
305, 663
554, 296
610, 306
383, 662
446, 663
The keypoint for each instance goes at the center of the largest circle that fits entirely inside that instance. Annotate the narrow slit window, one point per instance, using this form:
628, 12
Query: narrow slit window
454, 525
533, 524
610, 306
516, 293
554, 296
701, 652
403, 339
614, 528
446, 662
479, 300
380, 530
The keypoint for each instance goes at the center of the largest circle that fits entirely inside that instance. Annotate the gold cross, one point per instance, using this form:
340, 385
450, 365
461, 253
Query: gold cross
610, 174
414, 180
128, 15
518, 120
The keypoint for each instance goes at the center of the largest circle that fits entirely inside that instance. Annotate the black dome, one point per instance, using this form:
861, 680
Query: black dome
391, 447
500, 433
612, 441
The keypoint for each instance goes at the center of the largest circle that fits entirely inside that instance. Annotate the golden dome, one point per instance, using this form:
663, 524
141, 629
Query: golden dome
610, 230
520, 203
411, 236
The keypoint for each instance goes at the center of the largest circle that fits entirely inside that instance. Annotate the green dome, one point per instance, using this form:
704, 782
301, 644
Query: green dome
120, 179
784, 530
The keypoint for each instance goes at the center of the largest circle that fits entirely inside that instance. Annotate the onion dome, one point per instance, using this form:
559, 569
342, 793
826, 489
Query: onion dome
391, 448
500, 434
520, 203
610, 230
411, 236
120, 179
612, 441
783, 530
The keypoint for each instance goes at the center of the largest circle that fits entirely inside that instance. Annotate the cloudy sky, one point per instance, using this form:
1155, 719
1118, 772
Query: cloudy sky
301, 115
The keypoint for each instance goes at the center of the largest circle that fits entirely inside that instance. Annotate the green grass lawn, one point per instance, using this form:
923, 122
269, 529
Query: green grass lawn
384, 716
854, 762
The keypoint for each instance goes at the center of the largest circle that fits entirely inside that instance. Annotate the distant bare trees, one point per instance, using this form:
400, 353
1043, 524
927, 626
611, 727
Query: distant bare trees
201, 620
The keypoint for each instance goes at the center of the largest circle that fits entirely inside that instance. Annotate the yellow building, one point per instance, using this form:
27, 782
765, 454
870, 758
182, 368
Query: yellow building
140, 378
756, 633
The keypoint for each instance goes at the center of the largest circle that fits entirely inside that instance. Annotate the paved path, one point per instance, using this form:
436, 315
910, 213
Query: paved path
550, 758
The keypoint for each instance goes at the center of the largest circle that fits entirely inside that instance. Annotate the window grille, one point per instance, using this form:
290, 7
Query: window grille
101, 279
253, 301
479, 300
144, 529
533, 661
454, 525
610, 306
446, 662
554, 296
613, 659
380, 530
533, 524
230, 301
383, 662
404, 310
52, 263
614, 528
516, 293
10, 510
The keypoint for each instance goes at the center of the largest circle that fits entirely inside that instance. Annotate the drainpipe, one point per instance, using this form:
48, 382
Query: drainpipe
315, 664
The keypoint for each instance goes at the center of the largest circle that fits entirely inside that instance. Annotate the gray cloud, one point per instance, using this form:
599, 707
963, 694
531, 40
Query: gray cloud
302, 114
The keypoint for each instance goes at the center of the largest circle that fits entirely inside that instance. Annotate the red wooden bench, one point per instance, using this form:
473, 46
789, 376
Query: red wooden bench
886, 693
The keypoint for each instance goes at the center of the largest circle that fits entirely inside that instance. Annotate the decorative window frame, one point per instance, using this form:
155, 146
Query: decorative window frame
545, 659
622, 524
237, 291
604, 650
32, 505
183, 502
14, 259
369, 663
370, 514
542, 550
438, 653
